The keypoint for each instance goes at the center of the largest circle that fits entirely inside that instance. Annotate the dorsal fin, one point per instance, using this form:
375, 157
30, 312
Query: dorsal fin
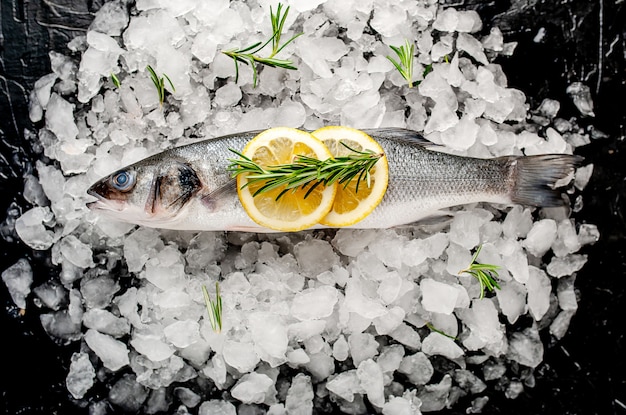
399, 134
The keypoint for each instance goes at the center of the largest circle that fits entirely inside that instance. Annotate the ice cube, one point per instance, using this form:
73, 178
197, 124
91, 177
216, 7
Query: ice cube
447, 20
151, 345
482, 320
111, 19
385, 324
315, 256
469, 381
182, 333
81, 375
269, 335
32, 230
317, 52
406, 335
494, 41
438, 344
525, 347
299, 399
541, 237
18, 279
127, 394
581, 96
583, 175
388, 20
539, 288
240, 355
417, 367
217, 407
370, 376
472, 46
346, 385
559, 326
437, 296
113, 353
512, 299
435, 396
106, 322
314, 303
390, 358
228, 95
76, 252
560, 267
187, 397
341, 349
363, 346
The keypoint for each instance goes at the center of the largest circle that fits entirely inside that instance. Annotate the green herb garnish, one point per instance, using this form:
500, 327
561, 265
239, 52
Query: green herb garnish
249, 55
405, 65
115, 80
159, 83
214, 308
305, 171
432, 328
486, 274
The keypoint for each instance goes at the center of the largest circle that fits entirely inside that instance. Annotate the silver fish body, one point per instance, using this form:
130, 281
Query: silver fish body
190, 188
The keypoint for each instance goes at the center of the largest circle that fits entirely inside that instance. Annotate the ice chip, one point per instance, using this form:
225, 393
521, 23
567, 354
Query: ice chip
472, 46
437, 296
539, 288
541, 237
581, 96
314, 303
81, 375
113, 353
228, 95
217, 407
31, 229
270, 338
182, 333
18, 279
315, 256
371, 378
417, 367
560, 267
438, 344
346, 385
525, 347
240, 355
299, 399
363, 346
77, 252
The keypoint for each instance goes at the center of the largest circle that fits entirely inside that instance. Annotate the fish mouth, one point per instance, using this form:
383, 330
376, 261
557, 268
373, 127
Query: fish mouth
103, 203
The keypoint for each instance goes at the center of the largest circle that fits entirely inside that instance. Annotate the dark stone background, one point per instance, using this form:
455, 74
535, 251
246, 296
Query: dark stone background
584, 373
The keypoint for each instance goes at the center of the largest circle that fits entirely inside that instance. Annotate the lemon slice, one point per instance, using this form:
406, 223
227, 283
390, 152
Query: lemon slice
292, 211
350, 205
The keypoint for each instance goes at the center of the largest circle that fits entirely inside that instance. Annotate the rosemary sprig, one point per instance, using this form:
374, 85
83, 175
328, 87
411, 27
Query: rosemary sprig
305, 171
159, 83
115, 80
486, 274
214, 308
248, 55
405, 64
436, 330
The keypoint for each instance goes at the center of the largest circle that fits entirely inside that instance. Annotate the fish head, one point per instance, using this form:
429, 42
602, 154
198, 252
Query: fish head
151, 192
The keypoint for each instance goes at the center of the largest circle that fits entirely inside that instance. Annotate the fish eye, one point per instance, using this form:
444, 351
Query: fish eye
123, 181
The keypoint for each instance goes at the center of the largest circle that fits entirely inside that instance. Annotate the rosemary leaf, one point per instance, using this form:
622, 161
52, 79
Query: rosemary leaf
306, 171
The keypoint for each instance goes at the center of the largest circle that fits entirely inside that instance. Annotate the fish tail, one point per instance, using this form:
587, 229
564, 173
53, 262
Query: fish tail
536, 179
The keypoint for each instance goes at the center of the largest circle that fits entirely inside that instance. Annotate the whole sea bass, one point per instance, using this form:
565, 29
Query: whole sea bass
189, 187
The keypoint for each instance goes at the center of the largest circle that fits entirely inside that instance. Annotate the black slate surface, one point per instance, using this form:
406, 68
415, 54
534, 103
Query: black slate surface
584, 373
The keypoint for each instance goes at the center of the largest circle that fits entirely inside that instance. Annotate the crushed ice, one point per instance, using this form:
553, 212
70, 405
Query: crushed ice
359, 319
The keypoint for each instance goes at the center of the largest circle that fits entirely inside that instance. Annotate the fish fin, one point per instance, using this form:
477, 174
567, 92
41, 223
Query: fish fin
400, 134
536, 178
211, 200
